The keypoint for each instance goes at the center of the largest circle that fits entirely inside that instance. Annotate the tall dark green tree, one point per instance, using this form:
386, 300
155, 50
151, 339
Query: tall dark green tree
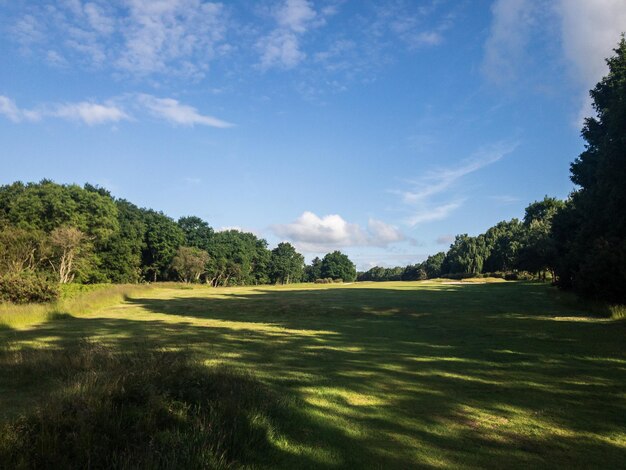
163, 237
592, 232
336, 265
120, 255
537, 253
286, 264
197, 232
466, 255
313, 271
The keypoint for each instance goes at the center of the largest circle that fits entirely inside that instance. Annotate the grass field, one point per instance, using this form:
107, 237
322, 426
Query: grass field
387, 375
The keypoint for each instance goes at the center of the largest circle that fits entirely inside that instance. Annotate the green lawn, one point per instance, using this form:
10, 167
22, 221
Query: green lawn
389, 375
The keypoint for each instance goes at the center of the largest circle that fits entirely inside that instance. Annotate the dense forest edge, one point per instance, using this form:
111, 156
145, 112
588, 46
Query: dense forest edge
53, 234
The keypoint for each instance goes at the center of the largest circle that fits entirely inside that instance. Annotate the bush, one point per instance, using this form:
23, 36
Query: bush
27, 287
137, 410
327, 280
460, 276
519, 276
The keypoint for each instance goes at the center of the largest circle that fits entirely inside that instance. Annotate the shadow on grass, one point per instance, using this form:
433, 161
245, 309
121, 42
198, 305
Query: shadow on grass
496, 375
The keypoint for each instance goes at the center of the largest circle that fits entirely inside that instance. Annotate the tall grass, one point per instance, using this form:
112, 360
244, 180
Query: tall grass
75, 300
139, 409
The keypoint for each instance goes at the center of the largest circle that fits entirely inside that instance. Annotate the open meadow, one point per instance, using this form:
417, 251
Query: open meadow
377, 375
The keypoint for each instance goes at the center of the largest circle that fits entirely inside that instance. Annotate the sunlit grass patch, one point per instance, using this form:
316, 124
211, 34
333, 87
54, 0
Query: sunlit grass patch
75, 301
388, 375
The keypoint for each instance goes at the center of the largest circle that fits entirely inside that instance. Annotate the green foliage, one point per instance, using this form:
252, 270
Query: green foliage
162, 239
336, 265
137, 410
466, 255
379, 274
286, 264
197, 232
190, 263
237, 258
27, 287
313, 271
434, 265
120, 256
591, 233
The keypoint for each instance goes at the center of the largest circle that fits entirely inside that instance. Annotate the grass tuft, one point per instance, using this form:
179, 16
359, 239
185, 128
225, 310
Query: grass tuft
136, 410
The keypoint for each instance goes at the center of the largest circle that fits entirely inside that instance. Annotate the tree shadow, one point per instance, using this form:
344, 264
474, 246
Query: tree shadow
451, 375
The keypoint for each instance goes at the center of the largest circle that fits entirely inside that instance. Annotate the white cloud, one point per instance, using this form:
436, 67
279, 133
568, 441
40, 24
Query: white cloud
382, 234
437, 181
311, 233
296, 15
510, 32
138, 37
9, 109
90, 113
159, 34
177, 113
281, 47
590, 30
422, 198
433, 213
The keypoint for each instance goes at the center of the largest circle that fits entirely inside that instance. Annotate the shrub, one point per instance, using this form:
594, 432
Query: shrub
459, 276
137, 410
519, 276
27, 287
327, 280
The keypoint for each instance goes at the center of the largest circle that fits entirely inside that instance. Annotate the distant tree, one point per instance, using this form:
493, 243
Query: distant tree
466, 255
537, 252
336, 265
434, 265
21, 250
286, 264
504, 241
415, 272
162, 239
313, 271
121, 254
68, 245
237, 258
189, 263
197, 232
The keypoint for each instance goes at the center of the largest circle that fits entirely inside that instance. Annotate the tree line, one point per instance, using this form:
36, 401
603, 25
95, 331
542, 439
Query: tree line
55, 233
512, 249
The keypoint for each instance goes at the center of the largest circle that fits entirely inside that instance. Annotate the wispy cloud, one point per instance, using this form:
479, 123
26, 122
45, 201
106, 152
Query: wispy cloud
137, 37
177, 113
313, 234
422, 198
90, 113
588, 32
93, 113
281, 47
87, 112
510, 33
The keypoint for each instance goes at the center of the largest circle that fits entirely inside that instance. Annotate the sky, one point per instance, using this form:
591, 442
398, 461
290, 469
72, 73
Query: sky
378, 128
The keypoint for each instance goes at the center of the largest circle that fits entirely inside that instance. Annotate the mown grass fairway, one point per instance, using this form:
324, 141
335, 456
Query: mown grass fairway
390, 375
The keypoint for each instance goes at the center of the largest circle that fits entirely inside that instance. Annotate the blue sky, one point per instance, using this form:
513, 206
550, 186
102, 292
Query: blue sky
380, 128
